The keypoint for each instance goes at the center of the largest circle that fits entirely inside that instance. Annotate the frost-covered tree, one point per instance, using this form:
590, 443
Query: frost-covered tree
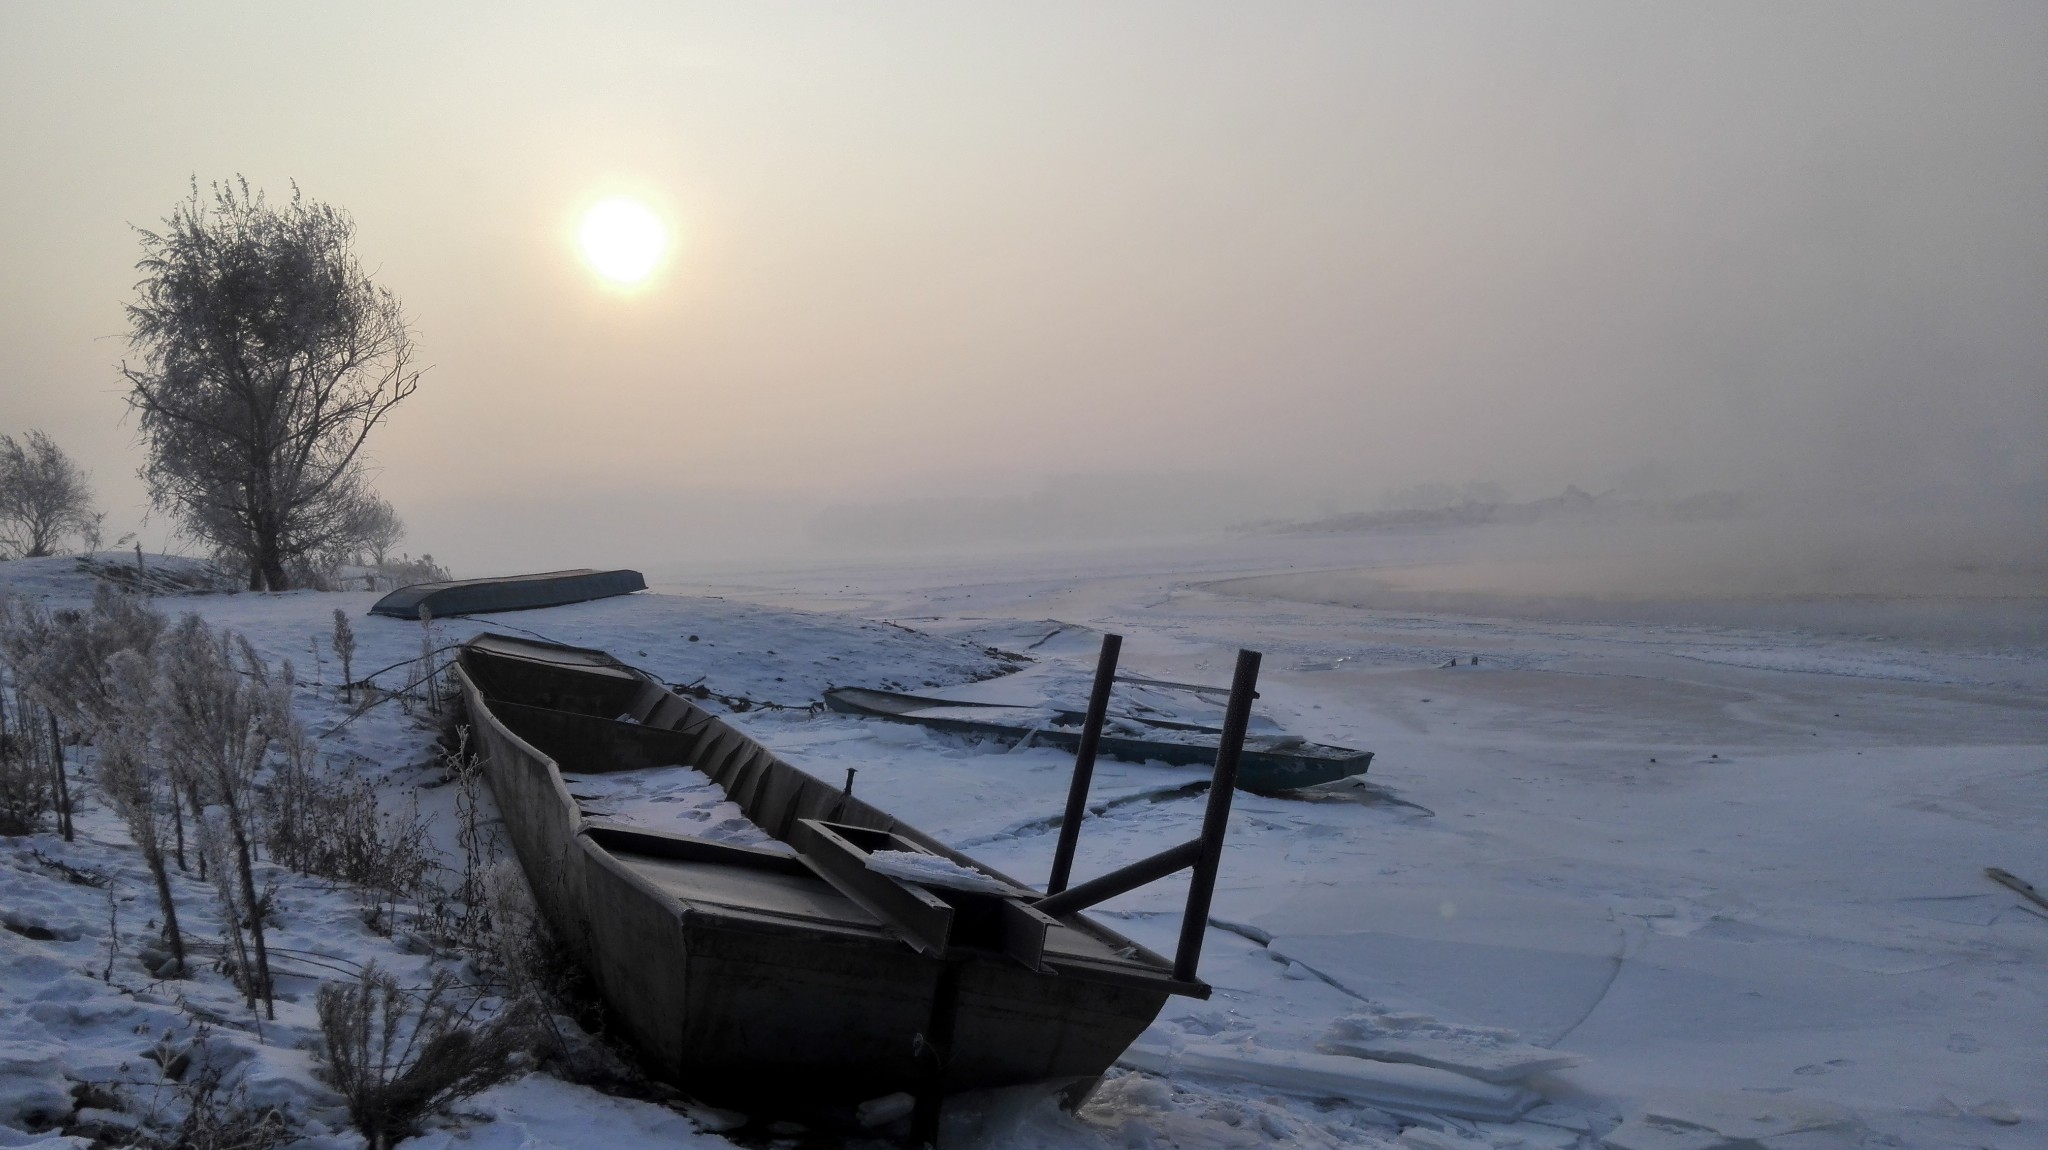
27, 791
44, 497
134, 785
267, 358
219, 706
65, 653
60, 659
378, 530
345, 649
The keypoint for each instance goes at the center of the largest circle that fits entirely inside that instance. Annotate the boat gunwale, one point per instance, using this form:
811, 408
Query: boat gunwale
1135, 965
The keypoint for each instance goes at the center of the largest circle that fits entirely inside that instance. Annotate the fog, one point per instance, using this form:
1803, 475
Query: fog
953, 277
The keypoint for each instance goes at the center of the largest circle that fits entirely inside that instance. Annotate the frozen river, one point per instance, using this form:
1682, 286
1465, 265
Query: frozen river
1718, 862
1731, 853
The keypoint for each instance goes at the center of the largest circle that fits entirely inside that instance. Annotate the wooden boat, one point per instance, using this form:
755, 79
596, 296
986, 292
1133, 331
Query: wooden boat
1268, 765
776, 982
507, 593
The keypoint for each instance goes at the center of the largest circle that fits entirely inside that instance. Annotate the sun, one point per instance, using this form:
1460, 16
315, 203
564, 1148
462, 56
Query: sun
623, 240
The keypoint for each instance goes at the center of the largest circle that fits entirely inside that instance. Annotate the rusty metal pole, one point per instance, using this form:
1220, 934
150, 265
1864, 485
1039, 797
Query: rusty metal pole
1084, 764
1202, 887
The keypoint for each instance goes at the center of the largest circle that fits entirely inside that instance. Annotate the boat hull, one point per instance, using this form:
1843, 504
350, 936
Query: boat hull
507, 593
737, 973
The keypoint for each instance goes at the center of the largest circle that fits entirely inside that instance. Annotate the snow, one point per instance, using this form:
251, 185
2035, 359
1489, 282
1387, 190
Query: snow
678, 800
1392, 1086
1487, 1053
1722, 883
82, 1006
935, 870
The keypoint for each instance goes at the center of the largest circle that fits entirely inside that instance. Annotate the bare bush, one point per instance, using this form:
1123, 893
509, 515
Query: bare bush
396, 1058
44, 497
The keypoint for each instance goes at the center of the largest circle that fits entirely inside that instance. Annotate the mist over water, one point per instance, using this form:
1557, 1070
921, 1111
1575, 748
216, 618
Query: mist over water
993, 280
1969, 571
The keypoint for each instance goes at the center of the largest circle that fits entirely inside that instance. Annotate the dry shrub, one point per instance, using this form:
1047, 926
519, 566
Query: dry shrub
477, 838
28, 790
24, 782
63, 655
133, 784
201, 1103
405, 571
218, 1117
219, 707
396, 1057
345, 649
327, 822
524, 957
60, 664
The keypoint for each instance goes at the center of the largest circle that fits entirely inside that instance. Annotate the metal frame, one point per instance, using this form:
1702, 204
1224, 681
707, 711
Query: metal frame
1204, 853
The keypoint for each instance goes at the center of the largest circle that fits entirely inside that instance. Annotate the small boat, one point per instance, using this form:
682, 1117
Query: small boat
800, 975
507, 593
1270, 763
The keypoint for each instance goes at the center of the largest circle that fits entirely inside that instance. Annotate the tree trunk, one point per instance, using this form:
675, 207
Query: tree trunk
63, 784
269, 556
178, 821
198, 818
255, 910
155, 859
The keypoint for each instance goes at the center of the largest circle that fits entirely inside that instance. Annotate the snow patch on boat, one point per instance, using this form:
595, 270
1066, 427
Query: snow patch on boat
678, 800
935, 870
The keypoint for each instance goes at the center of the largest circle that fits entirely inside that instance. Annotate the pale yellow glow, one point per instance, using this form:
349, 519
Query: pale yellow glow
623, 239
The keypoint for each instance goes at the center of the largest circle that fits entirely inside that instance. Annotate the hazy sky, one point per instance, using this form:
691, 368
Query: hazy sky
970, 249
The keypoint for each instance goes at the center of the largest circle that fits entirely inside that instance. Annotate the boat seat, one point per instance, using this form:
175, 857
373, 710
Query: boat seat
668, 713
649, 697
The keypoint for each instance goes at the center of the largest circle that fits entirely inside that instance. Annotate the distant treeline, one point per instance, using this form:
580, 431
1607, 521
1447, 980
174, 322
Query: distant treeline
1474, 512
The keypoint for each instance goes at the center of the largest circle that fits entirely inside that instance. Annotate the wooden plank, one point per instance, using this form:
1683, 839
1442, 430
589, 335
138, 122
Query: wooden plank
924, 920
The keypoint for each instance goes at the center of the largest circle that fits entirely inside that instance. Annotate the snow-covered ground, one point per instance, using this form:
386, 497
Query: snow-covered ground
1720, 883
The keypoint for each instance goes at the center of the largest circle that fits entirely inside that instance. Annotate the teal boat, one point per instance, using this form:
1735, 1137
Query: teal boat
1270, 763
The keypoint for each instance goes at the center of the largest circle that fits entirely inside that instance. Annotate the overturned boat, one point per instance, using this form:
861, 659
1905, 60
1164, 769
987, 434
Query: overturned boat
802, 974
507, 593
1270, 763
